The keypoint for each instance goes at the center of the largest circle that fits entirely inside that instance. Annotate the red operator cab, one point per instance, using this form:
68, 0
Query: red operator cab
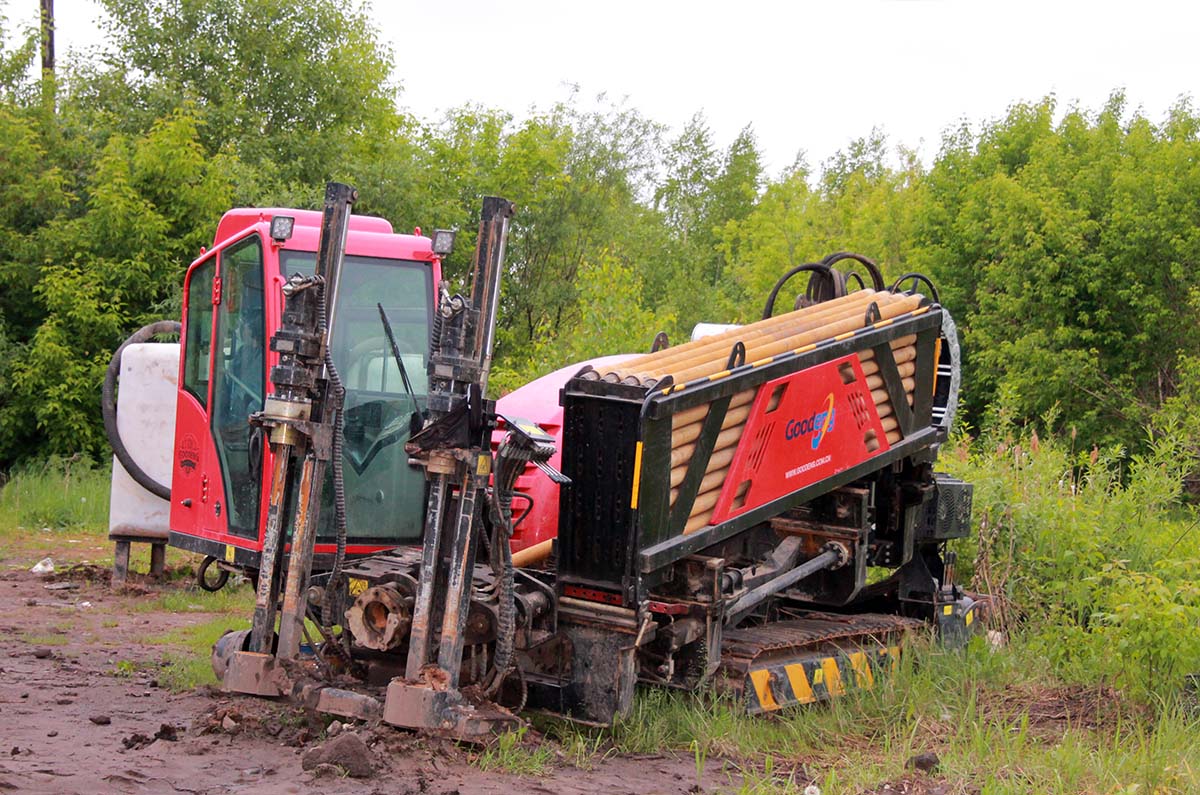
232, 305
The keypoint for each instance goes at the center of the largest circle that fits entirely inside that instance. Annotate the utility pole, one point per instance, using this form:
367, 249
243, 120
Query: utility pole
48, 51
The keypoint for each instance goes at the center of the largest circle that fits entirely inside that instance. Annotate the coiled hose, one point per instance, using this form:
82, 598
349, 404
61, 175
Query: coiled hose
108, 406
337, 403
510, 462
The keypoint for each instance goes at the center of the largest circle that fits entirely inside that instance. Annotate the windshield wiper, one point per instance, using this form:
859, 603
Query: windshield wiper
417, 419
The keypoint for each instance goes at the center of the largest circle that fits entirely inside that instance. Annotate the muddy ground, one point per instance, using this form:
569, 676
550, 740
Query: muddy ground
81, 711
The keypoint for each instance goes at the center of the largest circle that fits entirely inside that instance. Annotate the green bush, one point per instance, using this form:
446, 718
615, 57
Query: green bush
1092, 556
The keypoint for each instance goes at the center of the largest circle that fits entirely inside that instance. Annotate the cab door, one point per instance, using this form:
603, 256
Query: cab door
239, 381
195, 477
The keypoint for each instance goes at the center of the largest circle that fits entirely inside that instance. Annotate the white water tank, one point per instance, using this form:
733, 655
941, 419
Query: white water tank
146, 395
703, 330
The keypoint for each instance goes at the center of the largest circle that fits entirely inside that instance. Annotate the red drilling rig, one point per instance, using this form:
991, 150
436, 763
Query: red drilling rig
419, 556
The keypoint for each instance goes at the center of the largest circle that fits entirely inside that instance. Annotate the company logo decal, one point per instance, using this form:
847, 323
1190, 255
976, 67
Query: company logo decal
815, 426
188, 454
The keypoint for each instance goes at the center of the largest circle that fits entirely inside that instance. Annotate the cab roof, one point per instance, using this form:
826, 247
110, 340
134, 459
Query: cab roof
367, 235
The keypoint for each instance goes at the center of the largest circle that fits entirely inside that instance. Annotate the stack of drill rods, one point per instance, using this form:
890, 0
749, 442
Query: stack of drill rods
688, 424
715, 349
850, 319
726, 445
717, 345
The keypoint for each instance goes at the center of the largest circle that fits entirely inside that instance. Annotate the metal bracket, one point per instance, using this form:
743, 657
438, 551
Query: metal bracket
737, 355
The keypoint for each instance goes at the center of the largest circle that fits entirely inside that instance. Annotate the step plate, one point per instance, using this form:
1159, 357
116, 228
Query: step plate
816, 658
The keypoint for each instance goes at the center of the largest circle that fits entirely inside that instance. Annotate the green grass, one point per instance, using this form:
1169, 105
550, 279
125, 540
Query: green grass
49, 639
59, 494
57, 508
509, 753
187, 664
232, 600
952, 703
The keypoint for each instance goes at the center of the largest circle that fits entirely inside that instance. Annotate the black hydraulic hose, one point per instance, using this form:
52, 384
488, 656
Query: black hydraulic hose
510, 462
528, 508
812, 267
823, 288
917, 277
338, 403
108, 407
877, 282
202, 576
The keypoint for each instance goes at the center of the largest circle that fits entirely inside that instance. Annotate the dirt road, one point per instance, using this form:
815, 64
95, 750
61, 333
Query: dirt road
81, 711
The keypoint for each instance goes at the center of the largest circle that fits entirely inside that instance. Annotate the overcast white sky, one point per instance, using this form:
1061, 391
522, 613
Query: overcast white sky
806, 75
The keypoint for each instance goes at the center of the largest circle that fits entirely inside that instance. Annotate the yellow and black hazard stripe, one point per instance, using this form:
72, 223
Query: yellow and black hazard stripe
807, 680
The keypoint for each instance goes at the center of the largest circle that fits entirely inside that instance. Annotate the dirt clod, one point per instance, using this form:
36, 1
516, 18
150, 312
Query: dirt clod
100, 720
136, 741
347, 751
926, 762
42, 652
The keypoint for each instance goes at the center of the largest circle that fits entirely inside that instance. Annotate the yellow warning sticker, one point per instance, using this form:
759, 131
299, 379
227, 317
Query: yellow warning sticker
761, 680
229, 548
970, 617
948, 610
356, 586
637, 475
484, 467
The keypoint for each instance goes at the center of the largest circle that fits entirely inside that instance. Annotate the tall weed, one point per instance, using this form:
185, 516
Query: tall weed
1092, 555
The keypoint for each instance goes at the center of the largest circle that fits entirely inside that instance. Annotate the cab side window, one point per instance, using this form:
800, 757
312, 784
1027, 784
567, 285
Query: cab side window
239, 378
199, 331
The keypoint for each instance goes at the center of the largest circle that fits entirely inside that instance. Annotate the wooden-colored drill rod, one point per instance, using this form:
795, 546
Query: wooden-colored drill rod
726, 438
711, 482
690, 433
697, 414
881, 395
905, 370
717, 462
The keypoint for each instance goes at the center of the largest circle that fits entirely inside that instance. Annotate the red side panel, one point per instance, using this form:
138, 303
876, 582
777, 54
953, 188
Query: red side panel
537, 513
802, 428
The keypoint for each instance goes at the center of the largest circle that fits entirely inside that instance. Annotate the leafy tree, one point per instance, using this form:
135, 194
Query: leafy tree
153, 202
292, 87
859, 203
703, 193
1070, 251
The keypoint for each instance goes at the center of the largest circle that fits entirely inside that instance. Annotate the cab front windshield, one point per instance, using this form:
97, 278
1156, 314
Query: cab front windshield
383, 493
